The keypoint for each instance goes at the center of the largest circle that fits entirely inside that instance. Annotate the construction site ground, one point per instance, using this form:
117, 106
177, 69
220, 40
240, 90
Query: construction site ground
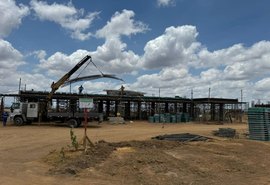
125, 154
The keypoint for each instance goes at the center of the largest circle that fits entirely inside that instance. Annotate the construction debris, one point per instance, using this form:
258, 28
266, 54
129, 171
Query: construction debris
225, 132
185, 137
116, 120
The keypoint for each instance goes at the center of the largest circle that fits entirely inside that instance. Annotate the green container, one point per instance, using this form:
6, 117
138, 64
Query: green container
162, 118
178, 117
167, 118
185, 117
156, 118
151, 119
173, 119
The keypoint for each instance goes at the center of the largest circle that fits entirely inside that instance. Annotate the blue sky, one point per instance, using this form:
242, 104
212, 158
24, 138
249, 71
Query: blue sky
175, 45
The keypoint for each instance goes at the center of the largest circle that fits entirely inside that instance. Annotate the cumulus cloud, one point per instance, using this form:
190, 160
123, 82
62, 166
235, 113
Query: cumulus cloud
67, 16
59, 63
262, 85
240, 62
35, 81
112, 57
175, 62
166, 78
177, 45
165, 2
122, 23
10, 62
11, 16
225, 71
211, 75
10, 58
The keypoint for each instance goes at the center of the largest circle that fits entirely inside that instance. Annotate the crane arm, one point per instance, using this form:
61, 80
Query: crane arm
64, 78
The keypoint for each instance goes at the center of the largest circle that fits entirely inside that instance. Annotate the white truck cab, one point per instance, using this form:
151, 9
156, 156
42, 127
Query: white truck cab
23, 112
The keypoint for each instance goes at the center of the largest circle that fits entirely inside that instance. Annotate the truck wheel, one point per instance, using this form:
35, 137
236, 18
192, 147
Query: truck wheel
18, 121
79, 123
72, 123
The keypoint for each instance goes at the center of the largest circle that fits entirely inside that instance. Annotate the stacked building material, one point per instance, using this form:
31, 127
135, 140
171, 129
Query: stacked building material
259, 123
169, 118
225, 132
116, 120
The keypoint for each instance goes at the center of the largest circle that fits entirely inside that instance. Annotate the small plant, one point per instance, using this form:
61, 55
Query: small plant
73, 139
62, 154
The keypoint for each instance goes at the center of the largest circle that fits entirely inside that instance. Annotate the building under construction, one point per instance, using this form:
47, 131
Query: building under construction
133, 105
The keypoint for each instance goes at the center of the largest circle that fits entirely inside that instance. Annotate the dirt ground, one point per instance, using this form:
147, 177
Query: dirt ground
125, 154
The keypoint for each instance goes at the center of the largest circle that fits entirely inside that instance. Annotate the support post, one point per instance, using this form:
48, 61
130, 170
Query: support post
85, 140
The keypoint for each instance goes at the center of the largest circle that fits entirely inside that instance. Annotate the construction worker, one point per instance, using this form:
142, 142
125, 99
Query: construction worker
5, 117
80, 89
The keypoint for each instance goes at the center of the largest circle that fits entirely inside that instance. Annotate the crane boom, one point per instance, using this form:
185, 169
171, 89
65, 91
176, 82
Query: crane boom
64, 78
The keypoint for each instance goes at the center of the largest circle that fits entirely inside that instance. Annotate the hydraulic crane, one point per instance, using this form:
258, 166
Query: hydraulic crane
25, 112
64, 78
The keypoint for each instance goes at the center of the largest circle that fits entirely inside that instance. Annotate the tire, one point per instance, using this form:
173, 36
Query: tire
79, 122
73, 123
18, 121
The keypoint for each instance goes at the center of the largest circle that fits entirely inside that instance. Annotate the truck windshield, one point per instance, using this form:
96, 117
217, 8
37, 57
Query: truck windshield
15, 106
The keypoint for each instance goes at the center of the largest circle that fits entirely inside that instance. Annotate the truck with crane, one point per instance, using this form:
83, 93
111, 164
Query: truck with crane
26, 112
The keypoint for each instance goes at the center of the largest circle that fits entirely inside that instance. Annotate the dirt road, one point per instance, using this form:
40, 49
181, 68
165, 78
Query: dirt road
23, 148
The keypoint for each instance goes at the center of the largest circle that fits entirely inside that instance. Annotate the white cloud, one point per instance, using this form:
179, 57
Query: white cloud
39, 54
10, 58
59, 63
10, 62
174, 61
110, 58
176, 46
121, 23
176, 54
11, 16
263, 85
166, 78
113, 57
165, 2
246, 63
67, 16
35, 81
211, 75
